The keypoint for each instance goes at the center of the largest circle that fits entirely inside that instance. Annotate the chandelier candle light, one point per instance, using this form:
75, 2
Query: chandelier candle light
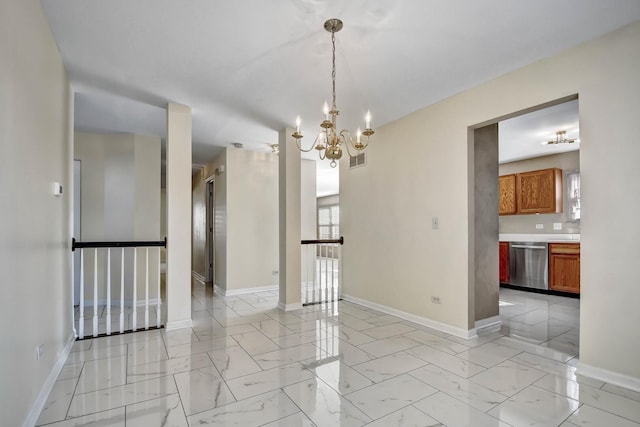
329, 141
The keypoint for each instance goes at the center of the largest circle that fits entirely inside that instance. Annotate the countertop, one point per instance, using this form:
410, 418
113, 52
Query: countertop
549, 238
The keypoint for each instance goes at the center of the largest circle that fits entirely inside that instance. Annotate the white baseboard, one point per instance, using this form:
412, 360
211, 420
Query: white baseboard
290, 307
41, 400
233, 292
611, 377
178, 324
489, 324
442, 327
199, 277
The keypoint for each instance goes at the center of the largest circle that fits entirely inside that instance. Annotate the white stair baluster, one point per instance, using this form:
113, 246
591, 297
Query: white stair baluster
311, 273
158, 294
95, 292
81, 319
339, 269
146, 291
122, 290
326, 268
134, 320
331, 298
108, 291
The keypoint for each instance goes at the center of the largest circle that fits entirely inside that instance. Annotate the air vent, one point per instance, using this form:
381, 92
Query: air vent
357, 161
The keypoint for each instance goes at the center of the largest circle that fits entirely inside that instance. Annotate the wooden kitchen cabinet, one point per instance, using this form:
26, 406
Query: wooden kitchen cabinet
564, 267
539, 191
507, 194
504, 262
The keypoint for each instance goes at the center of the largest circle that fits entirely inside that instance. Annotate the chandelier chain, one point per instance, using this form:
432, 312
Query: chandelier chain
333, 69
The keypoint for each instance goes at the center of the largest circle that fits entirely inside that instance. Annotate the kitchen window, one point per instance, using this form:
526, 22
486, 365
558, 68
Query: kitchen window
573, 196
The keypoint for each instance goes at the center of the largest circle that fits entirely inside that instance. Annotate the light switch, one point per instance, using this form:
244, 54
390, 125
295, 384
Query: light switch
434, 223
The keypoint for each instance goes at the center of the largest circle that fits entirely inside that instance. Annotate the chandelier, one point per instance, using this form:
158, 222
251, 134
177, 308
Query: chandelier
329, 141
561, 138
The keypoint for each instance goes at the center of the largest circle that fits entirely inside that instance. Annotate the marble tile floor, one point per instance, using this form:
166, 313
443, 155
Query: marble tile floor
245, 363
546, 320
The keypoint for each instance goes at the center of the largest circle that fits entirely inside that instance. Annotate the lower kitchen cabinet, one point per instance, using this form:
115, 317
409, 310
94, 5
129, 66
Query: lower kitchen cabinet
504, 262
564, 267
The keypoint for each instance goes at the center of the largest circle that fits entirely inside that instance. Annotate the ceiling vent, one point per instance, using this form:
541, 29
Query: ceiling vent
357, 160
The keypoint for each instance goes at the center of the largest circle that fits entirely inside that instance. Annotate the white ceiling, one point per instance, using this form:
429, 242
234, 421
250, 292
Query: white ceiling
248, 67
526, 136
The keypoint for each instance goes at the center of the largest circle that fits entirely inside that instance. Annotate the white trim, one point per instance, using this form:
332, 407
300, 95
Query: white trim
179, 324
489, 324
199, 277
41, 400
290, 307
611, 377
217, 289
232, 292
442, 327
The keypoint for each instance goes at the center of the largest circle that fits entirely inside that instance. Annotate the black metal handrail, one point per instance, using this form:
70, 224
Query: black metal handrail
313, 242
132, 244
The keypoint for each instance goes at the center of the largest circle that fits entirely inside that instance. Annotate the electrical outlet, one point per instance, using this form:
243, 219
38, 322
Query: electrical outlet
435, 300
539, 226
434, 223
557, 226
39, 351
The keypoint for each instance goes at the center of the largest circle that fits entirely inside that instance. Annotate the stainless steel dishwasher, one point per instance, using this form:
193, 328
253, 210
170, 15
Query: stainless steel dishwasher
528, 264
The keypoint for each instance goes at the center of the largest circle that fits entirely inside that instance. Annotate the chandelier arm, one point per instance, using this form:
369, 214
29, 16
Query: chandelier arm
315, 142
302, 149
349, 142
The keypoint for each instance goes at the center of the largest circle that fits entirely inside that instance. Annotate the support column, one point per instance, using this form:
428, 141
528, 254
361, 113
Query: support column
178, 216
289, 212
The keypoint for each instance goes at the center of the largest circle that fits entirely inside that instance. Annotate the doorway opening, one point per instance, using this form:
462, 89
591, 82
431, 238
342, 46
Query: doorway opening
539, 304
210, 227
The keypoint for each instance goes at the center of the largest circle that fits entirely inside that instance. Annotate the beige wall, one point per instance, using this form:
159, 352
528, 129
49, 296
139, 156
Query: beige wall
252, 219
420, 164
246, 217
35, 250
568, 162
120, 200
245, 225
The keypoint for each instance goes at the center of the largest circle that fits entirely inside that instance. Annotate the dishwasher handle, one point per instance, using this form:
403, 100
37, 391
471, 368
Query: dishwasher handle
528, 247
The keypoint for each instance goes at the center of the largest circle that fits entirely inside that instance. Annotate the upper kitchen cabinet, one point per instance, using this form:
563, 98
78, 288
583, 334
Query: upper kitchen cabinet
507, 194
539, 191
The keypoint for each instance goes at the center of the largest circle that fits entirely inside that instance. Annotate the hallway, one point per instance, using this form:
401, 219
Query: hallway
246, 363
